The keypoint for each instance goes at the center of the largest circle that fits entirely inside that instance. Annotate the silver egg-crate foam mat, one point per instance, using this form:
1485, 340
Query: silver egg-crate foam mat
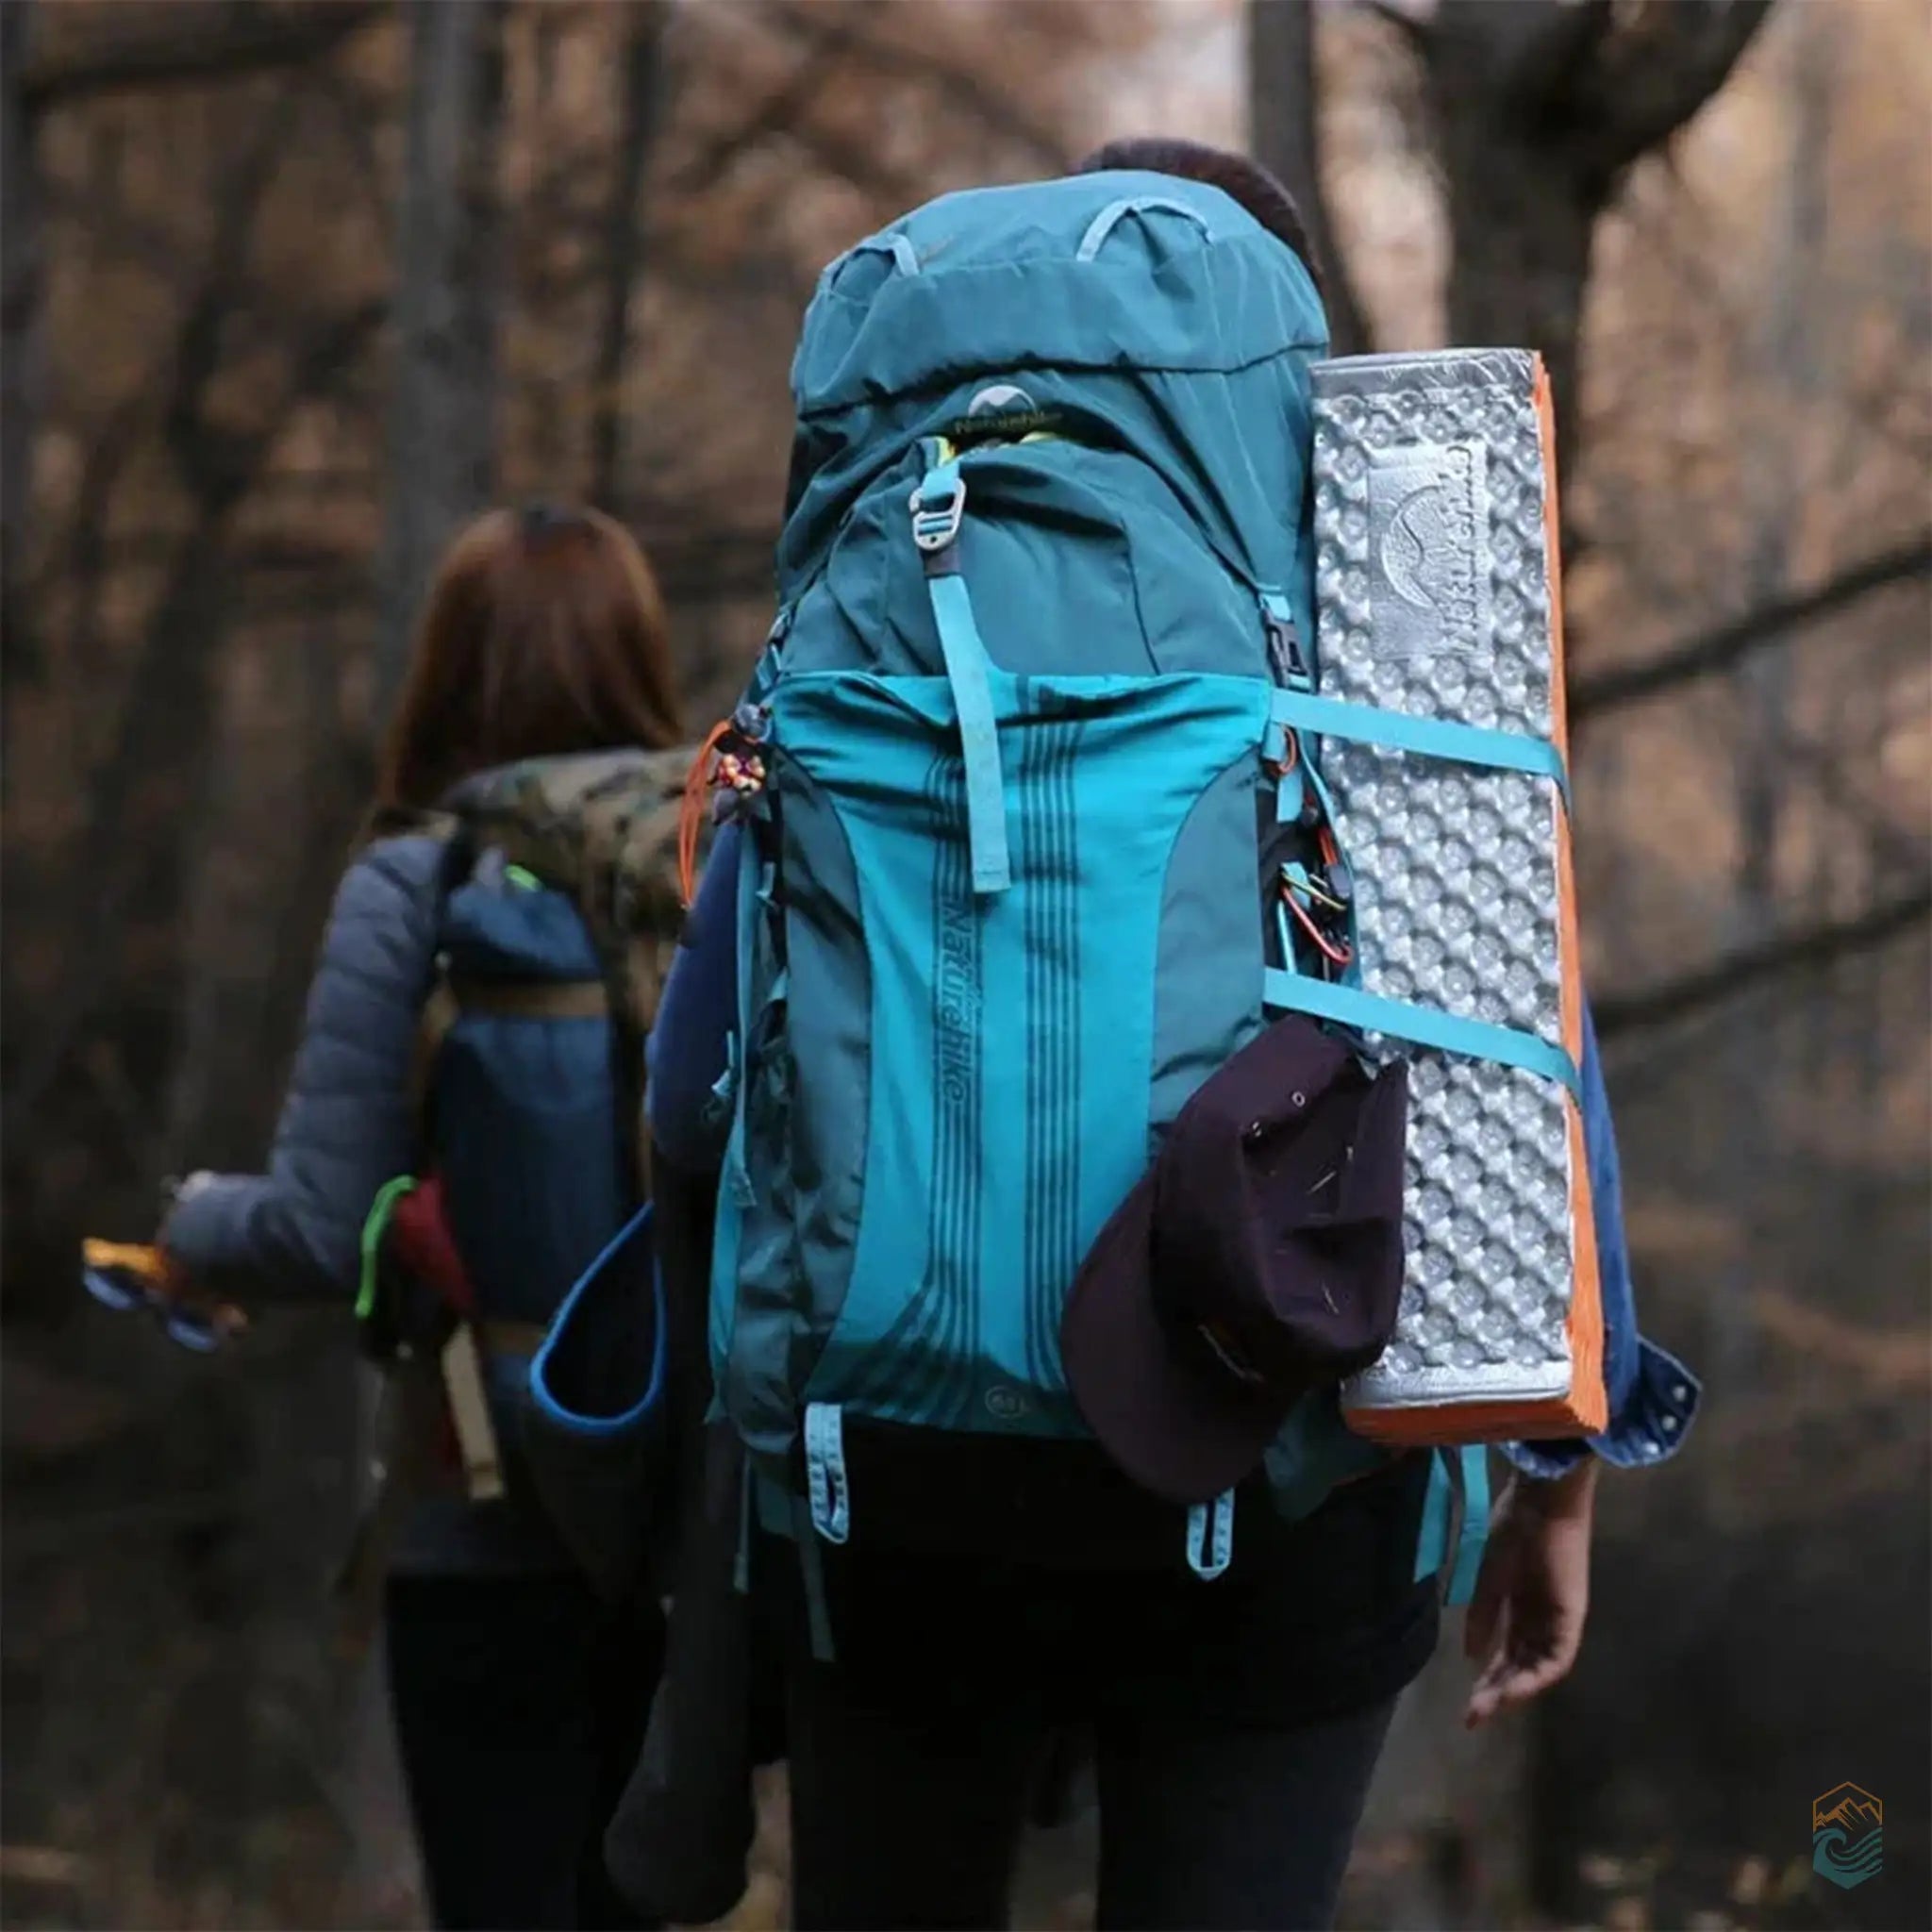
1433, 598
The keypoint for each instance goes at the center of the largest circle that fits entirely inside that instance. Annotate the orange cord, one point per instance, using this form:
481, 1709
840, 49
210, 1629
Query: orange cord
690, 813
1341, 955
1279, 768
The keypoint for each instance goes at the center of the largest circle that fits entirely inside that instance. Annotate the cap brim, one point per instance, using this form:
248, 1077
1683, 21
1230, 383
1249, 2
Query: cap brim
1177, 1429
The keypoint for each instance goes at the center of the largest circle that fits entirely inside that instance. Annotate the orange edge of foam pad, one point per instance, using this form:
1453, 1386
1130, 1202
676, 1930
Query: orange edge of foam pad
1585, 1410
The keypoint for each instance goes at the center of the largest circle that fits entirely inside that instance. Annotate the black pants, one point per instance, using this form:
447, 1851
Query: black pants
1235, 1739
900, 1819
520, 1704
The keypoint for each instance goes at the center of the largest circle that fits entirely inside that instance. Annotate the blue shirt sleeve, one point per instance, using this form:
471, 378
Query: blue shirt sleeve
686, 1054
1652, 1396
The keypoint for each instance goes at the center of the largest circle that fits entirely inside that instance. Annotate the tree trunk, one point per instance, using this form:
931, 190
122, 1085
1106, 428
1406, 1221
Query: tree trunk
623, 245
1775, 494
1541, 107
19, 310
1520, 216
442, 452
1284, 122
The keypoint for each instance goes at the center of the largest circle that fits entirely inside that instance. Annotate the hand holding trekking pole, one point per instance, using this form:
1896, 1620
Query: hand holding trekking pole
1525, 1620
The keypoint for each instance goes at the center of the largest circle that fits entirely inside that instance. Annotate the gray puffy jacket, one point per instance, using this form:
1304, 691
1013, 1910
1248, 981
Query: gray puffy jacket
349, 1123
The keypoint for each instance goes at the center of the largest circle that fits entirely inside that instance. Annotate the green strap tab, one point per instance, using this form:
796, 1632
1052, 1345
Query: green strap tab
382, 1210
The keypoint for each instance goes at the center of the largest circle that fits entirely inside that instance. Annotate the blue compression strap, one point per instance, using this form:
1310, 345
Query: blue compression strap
1475, 1530
986, 805
737, 1177
1435, 737
1432, 1539
937, 505
825, 1472
1347, 1006
1210, 1537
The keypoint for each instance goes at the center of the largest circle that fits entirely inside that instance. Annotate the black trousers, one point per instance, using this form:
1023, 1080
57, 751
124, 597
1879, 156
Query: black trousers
1230, 1785
904, 1818
519, 1705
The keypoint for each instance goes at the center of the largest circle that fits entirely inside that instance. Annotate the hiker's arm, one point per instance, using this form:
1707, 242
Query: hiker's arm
686, 1047
1652, 1396
1525, 1622
349, 1122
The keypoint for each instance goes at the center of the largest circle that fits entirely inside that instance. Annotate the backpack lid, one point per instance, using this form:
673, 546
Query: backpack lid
1054, 274
1151, 313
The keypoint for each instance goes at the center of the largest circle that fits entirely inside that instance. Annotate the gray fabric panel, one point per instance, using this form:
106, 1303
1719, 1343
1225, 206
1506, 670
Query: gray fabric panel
1208, 913
808, 1160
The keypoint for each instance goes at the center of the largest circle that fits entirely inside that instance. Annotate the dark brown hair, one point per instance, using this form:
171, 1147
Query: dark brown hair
1243, 180
543, 633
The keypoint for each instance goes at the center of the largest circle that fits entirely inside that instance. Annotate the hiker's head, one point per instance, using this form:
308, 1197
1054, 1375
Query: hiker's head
543, 634
1242, 179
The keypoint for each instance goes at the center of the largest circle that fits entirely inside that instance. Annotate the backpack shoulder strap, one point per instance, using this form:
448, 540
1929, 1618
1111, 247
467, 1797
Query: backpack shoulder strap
443, 1005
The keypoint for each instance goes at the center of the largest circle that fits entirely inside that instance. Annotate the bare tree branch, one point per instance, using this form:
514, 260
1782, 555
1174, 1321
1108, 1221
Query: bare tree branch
1411, 21
22, 275
777, 112
1753, 966
1544, 52
1652, 76
168, 700
1891, 846
177, 45
992, 105
1719, 649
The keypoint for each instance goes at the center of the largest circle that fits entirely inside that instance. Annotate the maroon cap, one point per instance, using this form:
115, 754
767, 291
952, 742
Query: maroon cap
1259, 1258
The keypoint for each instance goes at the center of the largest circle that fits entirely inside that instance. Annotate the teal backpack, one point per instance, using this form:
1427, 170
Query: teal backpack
1012, 832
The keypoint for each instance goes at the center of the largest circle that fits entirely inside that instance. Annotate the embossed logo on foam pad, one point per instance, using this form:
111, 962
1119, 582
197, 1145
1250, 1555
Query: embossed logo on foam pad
1425, 523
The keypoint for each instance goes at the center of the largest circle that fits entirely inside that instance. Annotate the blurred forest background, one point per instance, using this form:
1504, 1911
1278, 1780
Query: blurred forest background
290, 288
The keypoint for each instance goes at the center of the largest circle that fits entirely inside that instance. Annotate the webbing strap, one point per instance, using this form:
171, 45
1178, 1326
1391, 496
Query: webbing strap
825, 1472
532, 999
1210, 1537
1473, 1534
1432, 1539
1348, 1005
936, 506
741, 1563
811, 1572
1104, 223
1436, 738
440, 1013
735, 1179
469, 1414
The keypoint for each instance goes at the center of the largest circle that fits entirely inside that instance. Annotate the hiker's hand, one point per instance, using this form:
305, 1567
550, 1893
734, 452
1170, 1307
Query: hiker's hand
1525, 1622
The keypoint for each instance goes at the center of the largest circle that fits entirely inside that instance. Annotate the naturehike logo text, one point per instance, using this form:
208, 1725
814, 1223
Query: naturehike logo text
1847, 1839
957, 1002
